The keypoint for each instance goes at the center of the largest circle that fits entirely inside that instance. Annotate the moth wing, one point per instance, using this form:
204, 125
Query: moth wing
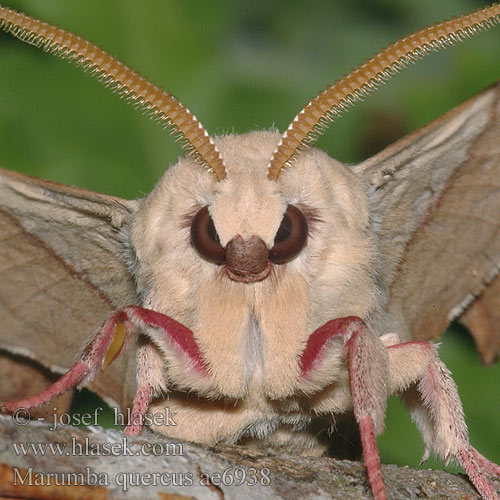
436, 206
62, 271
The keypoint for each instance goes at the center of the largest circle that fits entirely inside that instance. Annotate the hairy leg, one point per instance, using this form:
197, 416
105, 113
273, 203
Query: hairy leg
164, 333
367, 363
430, 394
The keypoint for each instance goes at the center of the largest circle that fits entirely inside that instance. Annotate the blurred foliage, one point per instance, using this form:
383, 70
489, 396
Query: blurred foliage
239, 66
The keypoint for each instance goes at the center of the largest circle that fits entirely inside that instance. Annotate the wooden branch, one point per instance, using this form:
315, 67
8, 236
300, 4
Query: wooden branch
151, 467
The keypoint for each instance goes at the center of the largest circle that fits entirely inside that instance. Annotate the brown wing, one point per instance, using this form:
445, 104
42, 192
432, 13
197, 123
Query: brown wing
436, 205
62, 271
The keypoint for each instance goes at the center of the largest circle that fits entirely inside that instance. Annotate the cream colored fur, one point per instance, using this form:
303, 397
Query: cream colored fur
252, 334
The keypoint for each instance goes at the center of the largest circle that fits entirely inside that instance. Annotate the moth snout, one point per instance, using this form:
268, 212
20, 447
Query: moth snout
247, 260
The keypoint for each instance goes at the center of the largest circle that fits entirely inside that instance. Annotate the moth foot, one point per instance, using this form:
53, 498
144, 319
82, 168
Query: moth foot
371, 458
141, 403
68, 381
476, 466
491, 468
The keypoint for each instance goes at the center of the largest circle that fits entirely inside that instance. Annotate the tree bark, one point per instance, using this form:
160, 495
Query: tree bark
151, 467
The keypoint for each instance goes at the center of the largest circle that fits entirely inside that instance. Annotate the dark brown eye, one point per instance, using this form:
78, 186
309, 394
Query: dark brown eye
205, 239
291, 236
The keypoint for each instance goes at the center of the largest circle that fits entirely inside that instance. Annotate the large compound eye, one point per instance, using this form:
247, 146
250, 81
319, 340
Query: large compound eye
291, 236
205, 239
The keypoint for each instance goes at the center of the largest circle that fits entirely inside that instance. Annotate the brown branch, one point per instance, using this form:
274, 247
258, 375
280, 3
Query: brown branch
178, 470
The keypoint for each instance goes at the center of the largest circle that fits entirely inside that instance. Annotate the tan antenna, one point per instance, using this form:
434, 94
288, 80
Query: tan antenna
337, 98
159, 104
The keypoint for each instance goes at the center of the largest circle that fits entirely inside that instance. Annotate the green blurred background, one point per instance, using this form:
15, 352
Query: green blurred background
241, 65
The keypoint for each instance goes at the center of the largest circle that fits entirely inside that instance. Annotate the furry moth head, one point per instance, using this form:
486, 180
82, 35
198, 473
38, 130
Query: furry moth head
243, 229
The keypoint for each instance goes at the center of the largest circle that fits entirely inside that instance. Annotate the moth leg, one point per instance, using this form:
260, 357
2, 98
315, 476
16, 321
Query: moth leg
82, 372
430, 394
68, 381
164, 333
368, 372
367, 363
150, 381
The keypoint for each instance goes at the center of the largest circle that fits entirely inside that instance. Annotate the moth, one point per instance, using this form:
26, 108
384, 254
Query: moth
264, 290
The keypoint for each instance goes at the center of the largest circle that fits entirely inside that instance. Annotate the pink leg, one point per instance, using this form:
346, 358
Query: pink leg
441, 397
70, 379
161, 330
474, 463
141, 403
150, 370
368, 370
372, 458
431, 396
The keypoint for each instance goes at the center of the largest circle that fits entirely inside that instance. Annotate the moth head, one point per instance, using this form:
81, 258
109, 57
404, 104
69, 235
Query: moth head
248, 228
241, 226
249, 225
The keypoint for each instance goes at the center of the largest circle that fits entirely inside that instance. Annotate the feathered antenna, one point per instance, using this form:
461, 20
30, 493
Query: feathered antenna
159, 104
337, 98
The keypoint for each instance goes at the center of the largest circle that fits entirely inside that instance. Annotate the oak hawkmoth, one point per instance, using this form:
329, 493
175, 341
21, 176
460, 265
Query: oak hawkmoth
116, 282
